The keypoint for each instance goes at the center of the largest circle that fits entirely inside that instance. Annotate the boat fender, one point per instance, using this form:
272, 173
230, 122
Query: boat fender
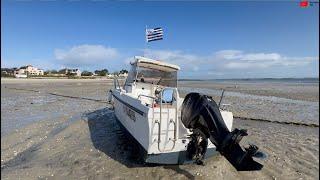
109, 96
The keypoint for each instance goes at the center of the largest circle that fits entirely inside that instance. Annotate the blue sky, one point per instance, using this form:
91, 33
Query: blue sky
207, 39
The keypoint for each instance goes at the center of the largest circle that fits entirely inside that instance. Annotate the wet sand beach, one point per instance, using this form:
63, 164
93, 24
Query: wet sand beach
52, 129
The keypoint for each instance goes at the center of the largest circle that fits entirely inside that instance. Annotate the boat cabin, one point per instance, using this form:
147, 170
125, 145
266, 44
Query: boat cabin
151, 80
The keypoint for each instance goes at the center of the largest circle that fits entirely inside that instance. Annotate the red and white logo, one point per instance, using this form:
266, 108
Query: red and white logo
304, 4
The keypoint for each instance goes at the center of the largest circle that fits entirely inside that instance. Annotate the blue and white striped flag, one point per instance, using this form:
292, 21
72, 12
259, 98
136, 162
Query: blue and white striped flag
154, 34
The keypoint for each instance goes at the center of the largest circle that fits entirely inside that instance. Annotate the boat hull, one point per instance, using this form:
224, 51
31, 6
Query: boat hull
178, 157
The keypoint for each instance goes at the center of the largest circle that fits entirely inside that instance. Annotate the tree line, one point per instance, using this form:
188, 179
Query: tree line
102, 72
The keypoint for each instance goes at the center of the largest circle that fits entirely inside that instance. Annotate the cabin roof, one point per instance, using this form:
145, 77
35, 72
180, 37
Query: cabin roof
155, 64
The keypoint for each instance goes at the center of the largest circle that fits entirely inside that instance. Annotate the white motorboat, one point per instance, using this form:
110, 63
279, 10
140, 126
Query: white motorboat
174, 130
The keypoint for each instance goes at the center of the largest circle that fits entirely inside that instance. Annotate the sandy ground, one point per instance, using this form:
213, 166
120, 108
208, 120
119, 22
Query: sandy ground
296, 102
52, 129
296, 91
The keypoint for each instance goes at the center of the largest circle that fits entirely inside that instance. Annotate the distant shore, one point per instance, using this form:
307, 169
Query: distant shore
37, 80
294, 80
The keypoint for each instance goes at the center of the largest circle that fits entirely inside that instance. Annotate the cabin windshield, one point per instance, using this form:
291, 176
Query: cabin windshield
158, 77
162, 76
131, 75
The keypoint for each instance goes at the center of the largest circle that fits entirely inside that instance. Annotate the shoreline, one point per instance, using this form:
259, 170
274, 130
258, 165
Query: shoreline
36, 80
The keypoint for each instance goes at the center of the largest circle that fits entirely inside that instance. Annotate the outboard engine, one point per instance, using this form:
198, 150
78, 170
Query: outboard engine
201, 114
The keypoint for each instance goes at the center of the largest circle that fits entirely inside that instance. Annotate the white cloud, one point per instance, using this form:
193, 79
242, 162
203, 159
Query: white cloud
186, 61
245, 65
232, 62
85, 55
128, 60
239, 60
215, 73
217, 62
227, 59
228, 54
260, 56
240, 55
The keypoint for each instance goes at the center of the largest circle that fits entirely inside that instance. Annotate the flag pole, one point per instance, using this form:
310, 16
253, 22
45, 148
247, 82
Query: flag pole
145, 43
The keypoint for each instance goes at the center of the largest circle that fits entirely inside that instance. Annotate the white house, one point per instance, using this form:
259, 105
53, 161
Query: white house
110, 75
20, 76
28, 70
75, 72
123, 75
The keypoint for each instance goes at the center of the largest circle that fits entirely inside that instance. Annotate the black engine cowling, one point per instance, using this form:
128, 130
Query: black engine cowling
201, 114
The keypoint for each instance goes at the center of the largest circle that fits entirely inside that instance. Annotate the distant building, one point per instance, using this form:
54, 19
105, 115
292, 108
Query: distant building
123, 75
20, 76
20, 71
7, 71
75, 72
28, 70
110, 75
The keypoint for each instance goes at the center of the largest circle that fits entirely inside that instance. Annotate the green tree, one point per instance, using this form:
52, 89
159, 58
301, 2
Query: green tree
69, 74
102, 72
97, 72
86, 73
53, 71
123, 71
62, 71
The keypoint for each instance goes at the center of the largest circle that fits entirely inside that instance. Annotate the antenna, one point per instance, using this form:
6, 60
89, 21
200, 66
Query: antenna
221, 97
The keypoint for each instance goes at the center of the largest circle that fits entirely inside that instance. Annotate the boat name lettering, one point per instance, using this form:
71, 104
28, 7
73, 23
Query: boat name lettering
129, 112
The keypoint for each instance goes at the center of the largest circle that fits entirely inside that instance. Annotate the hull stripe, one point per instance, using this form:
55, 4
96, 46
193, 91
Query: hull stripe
129, 106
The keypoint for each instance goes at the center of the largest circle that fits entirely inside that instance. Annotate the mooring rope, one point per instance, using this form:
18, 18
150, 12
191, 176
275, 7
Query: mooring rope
278, 122
61, 95
22, 89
